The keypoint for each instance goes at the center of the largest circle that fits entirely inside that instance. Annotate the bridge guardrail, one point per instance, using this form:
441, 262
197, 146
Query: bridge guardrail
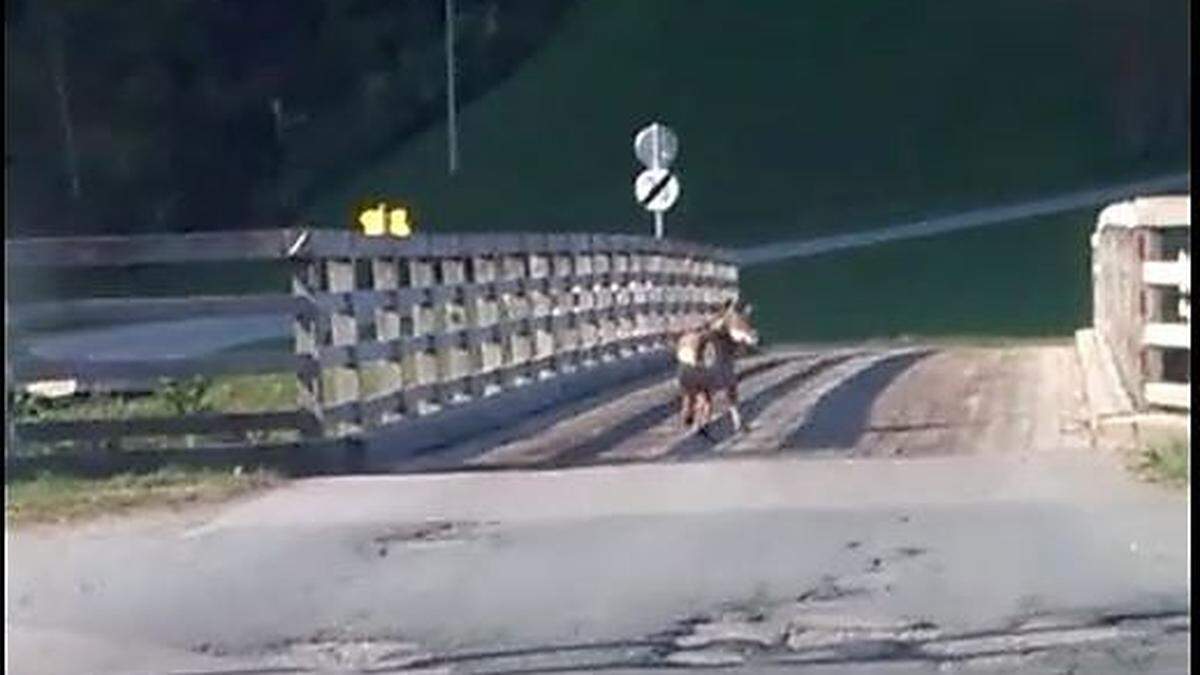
1141, 297
385, 330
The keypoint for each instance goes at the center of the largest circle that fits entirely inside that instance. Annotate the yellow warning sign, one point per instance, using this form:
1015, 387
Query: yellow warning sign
380, 221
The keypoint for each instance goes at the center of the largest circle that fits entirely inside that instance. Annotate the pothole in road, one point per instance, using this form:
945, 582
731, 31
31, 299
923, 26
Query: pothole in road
428, 534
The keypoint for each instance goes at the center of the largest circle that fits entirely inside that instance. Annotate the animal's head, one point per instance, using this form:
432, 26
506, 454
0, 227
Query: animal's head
734, 321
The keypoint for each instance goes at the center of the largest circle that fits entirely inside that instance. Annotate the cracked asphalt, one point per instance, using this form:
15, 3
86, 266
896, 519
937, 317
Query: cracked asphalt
830, 552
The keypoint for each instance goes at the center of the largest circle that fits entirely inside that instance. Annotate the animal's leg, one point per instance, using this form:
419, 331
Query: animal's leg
687, 408
732, 395
704, 411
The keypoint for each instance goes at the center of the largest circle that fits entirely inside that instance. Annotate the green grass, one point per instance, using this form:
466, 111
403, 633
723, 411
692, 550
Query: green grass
1029, 279
226, 394
229, 394
52, 498
795, 119
1166, 458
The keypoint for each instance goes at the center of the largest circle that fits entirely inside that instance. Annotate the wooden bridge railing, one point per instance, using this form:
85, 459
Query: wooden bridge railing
1141, 297
385, 331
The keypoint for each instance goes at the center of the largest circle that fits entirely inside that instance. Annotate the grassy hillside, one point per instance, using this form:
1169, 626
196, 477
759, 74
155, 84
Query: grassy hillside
1029, 279
805, 118
800, 119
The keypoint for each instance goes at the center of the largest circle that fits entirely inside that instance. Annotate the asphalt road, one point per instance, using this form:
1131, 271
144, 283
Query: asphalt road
657, 563
997, 543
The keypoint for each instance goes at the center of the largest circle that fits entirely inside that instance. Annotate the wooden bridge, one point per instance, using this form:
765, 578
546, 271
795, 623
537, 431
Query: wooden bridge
503, 351
421, 341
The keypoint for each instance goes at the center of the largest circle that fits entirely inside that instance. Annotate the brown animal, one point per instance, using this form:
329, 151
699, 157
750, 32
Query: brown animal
706, 364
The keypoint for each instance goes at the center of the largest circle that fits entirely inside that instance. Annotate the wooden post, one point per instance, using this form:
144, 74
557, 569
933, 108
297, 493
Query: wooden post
310, 332
513, 309
385, 276
1152, 299
419, 367
656, 316
562, 313
602, 288
621, 302
671, 293
343, 383
638, 293
479, 316
452, 359
540, 306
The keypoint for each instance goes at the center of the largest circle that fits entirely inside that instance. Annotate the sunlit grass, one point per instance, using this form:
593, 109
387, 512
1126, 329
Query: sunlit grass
56, 498
1166, 458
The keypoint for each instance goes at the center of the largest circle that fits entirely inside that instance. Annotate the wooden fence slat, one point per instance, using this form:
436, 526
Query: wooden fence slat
206, 423
1173, 273
318, 243
120, 310
123, 251
1169, 335
33, 369
1169, 394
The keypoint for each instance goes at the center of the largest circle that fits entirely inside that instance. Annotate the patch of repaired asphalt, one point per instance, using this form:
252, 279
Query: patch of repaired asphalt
835, 622
814, 631
794, 633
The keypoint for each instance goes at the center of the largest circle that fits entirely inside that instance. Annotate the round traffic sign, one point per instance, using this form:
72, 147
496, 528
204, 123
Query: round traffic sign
656, 189
656, 146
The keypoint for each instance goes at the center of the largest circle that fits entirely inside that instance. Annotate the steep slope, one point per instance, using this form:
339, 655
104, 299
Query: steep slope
802, 119
805, 117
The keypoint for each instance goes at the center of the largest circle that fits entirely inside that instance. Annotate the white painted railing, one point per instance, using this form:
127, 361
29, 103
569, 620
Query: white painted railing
1174, 274
1135, 278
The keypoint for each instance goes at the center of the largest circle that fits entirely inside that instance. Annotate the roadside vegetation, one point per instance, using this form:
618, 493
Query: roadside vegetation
1166, 458
230, 394
49, 498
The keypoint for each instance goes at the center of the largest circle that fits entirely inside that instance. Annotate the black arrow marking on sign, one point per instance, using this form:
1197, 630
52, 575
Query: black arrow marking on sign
658, 187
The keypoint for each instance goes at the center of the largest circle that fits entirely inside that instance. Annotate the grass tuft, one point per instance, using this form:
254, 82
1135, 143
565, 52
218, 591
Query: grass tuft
1166, 459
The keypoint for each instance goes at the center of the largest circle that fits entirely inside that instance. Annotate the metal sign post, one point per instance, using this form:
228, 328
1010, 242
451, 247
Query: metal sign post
451, 106
656, 188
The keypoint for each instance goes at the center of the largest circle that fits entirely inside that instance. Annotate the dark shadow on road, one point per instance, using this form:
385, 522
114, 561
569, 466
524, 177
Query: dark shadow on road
722, 429
840, 418
588, 451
